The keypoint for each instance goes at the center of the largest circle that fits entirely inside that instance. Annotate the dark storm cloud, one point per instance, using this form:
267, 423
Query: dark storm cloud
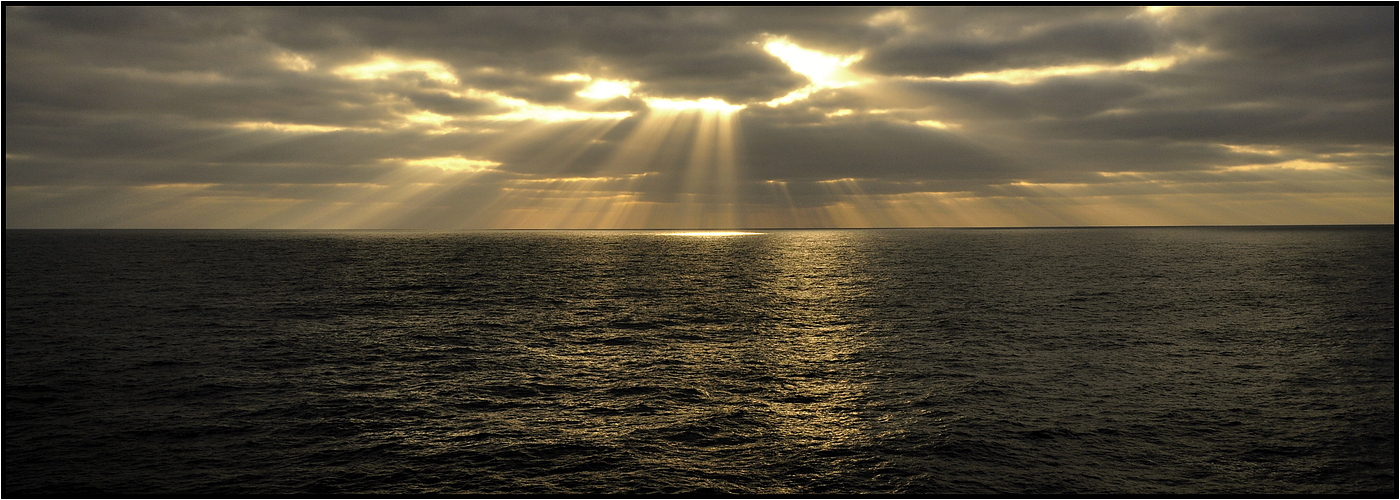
685, 53
1037, 43
42, 172
1240, 126
155, 39
131, 139
1303, 77
1056, 97
681, 52
448, 104
311, 100
1309, 34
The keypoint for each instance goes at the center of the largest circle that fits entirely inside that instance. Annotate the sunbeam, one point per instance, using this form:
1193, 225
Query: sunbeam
691, 143
706, 118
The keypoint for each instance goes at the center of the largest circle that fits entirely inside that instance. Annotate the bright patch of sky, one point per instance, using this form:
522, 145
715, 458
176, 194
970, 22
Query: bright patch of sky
823, 70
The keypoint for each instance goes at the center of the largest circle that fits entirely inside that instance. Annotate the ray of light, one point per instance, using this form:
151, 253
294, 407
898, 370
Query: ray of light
548, 147
711, 178
153, 204
699, 175
558, 202
161, 205
727, 148
563, 152
691, 138
639, 149
370, 207
855, 208
635, 154
577, 210
555, 157
691, 141
771, 215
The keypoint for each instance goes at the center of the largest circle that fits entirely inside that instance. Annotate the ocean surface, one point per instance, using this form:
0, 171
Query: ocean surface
1207, 360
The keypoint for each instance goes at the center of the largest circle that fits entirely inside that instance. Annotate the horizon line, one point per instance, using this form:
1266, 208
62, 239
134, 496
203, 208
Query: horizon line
695, 229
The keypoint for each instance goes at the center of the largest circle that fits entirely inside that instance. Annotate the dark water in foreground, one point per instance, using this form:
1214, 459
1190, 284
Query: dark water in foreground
1130, 360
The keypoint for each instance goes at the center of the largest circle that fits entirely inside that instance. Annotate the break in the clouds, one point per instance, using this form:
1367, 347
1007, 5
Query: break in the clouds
622, 117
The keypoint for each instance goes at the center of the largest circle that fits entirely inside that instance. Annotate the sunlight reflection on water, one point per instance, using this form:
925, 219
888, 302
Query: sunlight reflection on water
1142, 360
710, 233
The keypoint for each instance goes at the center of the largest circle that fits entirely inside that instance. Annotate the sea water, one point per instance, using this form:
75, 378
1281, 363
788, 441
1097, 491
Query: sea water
915, 361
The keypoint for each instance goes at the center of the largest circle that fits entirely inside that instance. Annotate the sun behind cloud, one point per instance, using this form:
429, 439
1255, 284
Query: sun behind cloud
823, 70
698, 117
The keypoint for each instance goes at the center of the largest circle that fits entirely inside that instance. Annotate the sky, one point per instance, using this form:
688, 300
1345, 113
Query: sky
452, 118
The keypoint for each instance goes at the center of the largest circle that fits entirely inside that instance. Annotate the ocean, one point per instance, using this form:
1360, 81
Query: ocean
1205, 360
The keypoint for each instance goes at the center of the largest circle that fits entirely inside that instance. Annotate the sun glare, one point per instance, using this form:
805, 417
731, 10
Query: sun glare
607, 89
824, 71
599, 88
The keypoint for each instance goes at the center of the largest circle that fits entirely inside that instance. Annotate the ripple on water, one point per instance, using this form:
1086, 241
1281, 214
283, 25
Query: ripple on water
1127, 360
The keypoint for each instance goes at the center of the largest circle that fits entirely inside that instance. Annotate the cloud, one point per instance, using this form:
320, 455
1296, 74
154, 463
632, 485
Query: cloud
684, 116
1036, 41
867, 149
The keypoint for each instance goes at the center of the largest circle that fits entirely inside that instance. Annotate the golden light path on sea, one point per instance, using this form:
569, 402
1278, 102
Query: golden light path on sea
705, 234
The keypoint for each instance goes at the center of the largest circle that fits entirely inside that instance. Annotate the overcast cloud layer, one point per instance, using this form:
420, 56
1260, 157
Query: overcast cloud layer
473, 117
